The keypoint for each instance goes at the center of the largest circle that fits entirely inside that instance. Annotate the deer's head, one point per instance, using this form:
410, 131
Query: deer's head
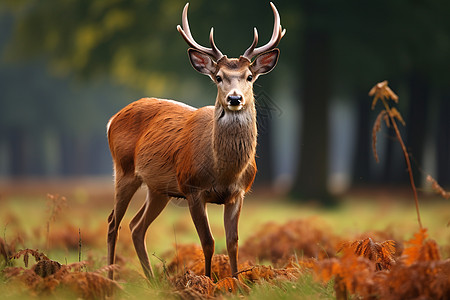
234, 77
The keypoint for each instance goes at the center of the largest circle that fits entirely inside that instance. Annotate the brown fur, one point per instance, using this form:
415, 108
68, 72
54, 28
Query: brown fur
181, 152
205, 155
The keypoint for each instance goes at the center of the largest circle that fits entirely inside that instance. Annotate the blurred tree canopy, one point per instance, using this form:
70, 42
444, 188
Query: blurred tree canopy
123, 39
134, 42
119, 48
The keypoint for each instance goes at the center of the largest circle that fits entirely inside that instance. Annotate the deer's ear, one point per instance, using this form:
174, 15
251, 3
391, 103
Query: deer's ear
202, 62
265, 62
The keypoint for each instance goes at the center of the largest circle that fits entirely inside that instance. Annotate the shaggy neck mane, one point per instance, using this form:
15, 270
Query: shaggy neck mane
234, 140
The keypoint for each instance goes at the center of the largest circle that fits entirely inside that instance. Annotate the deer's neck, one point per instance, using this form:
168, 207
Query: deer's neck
234, 141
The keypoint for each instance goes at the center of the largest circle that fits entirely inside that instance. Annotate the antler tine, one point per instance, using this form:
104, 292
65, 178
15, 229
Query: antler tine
217, 54
253, 45
277, 34
187, 36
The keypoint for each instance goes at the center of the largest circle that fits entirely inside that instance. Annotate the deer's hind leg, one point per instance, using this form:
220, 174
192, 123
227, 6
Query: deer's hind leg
125, 187
153, 206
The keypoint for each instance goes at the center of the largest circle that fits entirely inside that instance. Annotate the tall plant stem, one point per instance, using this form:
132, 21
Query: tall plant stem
408, 162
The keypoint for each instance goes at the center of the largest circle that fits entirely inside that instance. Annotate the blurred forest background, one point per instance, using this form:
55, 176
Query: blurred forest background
67, 66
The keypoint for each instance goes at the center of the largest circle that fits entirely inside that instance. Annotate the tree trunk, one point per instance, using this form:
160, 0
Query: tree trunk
417, 121
312, 173
393, 166
264, 154
19, 160
99, 162
443, 141
363, 151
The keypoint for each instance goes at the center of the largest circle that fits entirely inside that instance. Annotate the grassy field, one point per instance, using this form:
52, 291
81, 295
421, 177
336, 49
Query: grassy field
75, 229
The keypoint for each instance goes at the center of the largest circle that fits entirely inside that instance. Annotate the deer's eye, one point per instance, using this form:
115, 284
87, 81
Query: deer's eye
249, 78
218, 79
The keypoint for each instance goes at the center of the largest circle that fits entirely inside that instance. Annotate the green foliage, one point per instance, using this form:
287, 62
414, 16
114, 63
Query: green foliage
125, 39
304, 288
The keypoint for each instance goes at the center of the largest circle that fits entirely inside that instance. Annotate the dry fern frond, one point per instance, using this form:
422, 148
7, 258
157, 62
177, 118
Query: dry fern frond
420, 249
437, 188
300, 264
108, 268
225, 285
230, 285
326, 269
380, 253
257, 273
190, 257
396, 114
90, 285
220, 266
38, 256
267, 273
290, 274
190, 294
421, 280
25, 276
76, 266
201, 284
376, 128
45, 268
352, 274
45, 276
186, 255
278, 243
382, 91
419, 274
12, 271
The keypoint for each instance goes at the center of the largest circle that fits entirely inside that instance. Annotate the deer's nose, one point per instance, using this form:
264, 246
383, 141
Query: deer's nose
234, 100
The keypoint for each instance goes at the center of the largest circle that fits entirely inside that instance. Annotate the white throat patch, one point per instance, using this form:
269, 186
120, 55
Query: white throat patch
235, 107
235, 117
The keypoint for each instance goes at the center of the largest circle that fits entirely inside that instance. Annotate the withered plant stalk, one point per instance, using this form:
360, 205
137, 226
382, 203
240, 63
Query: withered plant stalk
55, 205
79, 245
382, 92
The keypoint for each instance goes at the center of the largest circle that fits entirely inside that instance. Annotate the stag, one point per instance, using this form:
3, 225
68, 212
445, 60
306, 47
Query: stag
204, 155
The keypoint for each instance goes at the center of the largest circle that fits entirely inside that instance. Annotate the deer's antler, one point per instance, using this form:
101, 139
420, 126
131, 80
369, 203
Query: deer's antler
277, 34
187, 35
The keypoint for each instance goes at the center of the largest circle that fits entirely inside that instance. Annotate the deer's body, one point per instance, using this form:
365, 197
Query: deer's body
204, 155
191, 152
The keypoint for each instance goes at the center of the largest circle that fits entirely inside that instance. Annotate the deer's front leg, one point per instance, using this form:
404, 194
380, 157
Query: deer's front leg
231, 219
197, 207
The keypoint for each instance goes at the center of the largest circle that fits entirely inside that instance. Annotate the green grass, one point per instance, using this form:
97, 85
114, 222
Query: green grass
304, 288
27, 217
